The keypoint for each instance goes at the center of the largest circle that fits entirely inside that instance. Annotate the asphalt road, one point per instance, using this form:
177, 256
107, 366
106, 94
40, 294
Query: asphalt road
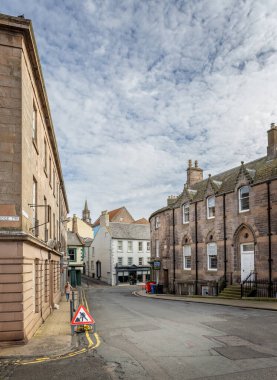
145, 338
157, 339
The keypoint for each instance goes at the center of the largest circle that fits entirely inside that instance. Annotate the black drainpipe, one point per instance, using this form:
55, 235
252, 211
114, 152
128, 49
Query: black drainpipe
196, 252
174, 258
225, 239
269, 241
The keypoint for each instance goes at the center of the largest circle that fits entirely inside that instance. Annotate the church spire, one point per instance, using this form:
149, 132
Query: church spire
86, 213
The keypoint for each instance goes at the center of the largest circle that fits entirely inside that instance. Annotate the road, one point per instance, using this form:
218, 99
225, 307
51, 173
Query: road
145, 338
157, 339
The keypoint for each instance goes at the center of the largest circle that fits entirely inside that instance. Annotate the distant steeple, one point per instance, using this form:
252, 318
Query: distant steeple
86, 213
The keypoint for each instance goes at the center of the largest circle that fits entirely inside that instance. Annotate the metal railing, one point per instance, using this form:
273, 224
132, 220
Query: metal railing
253, 286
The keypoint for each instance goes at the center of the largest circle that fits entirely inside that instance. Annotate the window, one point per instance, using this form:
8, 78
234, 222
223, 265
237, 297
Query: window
140, 246
50, 171
50, 221
120, 245
247, 247
185, 213
244, 199
211, 207
34, 124
54, 226
130, 261
54, 182
157, 222
187, 257
72, 254
130, 246
148, 246
212, 256
45, 156
120, 261
34, 208
157, 248
140, 260
92, 265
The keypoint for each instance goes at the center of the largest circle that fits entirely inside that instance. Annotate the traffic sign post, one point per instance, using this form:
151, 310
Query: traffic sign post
82, 318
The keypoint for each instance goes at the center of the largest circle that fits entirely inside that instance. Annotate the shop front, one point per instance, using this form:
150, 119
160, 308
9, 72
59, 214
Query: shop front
132, 274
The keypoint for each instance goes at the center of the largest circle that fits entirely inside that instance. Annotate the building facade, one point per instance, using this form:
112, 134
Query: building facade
121, 252
221, 230
33, 203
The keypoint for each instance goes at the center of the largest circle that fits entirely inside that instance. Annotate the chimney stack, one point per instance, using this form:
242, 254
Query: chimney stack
194, 174
74, 224
104, 219
272, 142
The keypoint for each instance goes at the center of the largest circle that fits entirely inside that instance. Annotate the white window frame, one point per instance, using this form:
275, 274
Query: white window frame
157, 222
148, 246
210, 247
130, 261
130, 246
119, 244
185, 209
209, 208
120, 261
140, 261
140, 245
240, 199
157, 248
186, 254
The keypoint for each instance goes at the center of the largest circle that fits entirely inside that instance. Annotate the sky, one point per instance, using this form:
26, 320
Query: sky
138, 87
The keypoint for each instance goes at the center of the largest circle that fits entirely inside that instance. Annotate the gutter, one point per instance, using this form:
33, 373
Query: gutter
269, 240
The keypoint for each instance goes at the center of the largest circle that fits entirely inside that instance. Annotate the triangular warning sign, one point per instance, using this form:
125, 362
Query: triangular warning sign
82, 317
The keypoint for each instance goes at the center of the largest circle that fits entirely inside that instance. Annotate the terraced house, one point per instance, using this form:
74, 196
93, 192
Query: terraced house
33, 203
221, 231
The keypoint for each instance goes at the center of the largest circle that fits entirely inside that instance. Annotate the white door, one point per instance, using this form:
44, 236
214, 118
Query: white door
247, 260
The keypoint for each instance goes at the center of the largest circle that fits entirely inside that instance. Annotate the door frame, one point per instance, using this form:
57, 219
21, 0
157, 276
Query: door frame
243, 254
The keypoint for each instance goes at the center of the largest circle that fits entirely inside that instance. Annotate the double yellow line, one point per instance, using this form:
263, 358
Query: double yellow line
91, 345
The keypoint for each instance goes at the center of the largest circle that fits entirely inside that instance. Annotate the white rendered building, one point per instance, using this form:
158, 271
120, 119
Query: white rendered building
121, 252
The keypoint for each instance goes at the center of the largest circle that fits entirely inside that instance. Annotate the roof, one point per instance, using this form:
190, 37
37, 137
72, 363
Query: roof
257, 171
111, 214
141, 221
130, 231
74, 239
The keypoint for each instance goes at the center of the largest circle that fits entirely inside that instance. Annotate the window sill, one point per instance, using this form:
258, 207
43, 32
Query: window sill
35, 145
211, 217
243, 211
187, 269
212, 270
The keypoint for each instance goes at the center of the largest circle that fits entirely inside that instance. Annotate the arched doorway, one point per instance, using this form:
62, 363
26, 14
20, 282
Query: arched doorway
244, 252
98, 269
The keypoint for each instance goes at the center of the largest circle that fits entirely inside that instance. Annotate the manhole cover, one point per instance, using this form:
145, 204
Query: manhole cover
240, 352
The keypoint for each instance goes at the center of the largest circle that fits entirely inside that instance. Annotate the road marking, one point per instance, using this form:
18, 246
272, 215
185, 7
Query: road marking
91, 346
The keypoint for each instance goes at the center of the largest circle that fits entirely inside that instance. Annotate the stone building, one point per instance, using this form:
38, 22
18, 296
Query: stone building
220, 231
33, 203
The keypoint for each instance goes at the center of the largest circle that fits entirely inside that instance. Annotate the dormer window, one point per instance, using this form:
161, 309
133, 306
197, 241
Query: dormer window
211, 207
244, 199
185, 213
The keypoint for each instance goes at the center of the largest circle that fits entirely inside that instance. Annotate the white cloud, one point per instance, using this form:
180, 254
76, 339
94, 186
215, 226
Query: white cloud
137, 88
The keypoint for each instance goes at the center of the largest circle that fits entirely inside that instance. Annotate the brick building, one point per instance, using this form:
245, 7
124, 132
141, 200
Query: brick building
221, 230
33, 204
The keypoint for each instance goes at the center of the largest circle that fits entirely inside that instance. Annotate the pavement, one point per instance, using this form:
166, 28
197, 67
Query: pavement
242, 303
52, 338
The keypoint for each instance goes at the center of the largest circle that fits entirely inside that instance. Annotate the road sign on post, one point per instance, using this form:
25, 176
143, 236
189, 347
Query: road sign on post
82, 317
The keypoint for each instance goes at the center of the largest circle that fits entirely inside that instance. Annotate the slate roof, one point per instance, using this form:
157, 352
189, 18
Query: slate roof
130, 231
74, 239
256, 171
